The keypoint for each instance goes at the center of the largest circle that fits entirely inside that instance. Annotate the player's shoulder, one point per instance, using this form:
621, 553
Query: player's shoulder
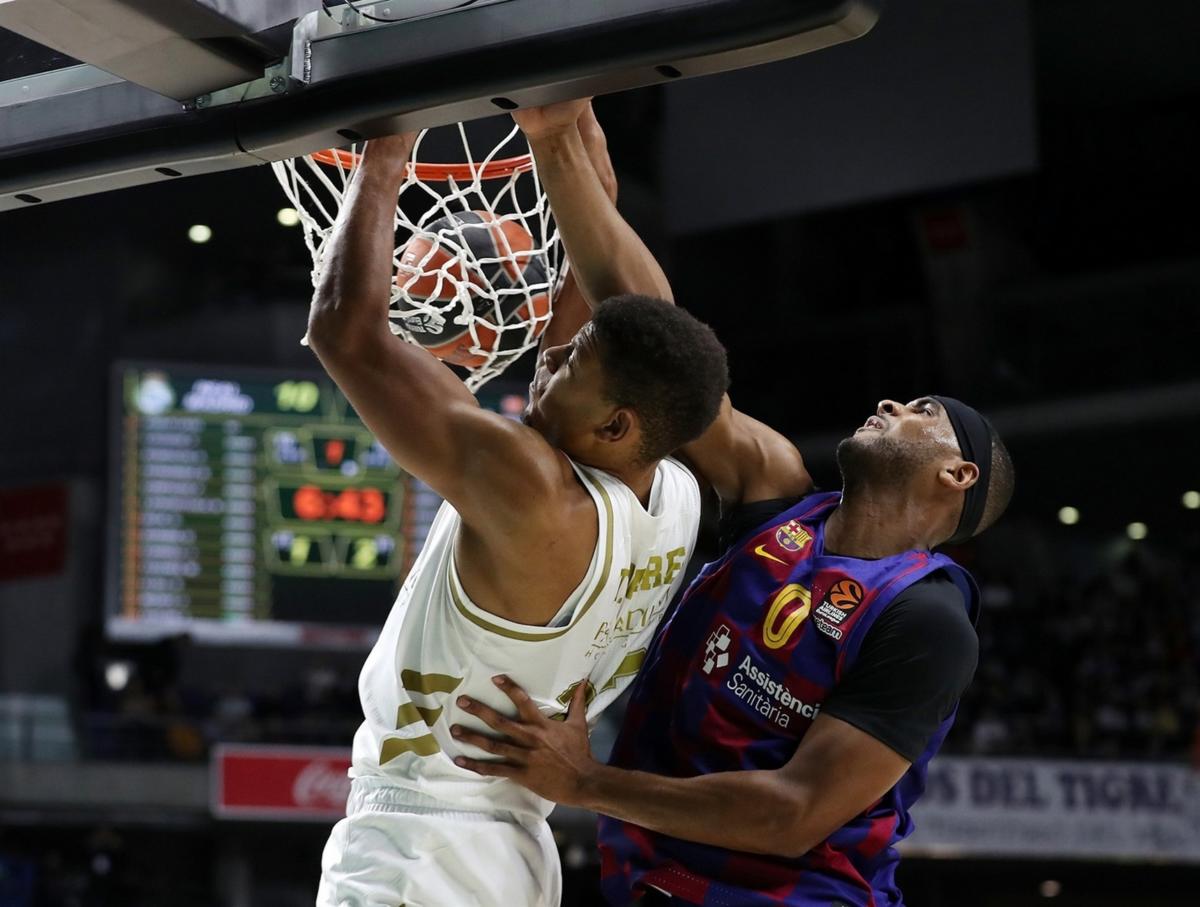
526, 475
933, 608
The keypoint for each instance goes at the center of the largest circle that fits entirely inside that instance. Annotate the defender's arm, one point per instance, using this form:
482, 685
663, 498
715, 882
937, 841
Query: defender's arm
785, 812
745, 460
421, 412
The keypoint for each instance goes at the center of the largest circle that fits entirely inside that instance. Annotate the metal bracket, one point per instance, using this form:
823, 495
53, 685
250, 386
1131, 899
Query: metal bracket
276, 79
295, 70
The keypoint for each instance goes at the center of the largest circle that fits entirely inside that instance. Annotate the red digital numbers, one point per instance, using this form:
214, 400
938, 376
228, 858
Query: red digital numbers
309, 503
353, 505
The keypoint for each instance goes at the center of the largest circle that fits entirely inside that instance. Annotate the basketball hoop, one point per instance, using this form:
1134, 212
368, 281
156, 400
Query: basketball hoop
493, 303
438, 173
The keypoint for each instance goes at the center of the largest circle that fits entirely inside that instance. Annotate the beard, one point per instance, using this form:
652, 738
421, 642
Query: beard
876, 462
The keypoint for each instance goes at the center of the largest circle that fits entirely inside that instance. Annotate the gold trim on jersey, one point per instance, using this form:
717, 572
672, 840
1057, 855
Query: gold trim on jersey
425, 745
410, 713
415, 682
591, 599
564, 698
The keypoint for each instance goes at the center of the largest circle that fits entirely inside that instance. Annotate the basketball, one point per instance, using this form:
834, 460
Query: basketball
477, 265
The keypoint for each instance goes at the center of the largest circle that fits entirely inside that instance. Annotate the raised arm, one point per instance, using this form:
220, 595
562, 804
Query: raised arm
419, 410
607, 257
571, 309
740, 457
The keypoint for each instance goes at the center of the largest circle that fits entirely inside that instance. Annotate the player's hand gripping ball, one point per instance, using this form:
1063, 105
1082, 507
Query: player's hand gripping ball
471, 286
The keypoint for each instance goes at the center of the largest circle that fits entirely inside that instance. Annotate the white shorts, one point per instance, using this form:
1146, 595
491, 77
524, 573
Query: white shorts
389, 853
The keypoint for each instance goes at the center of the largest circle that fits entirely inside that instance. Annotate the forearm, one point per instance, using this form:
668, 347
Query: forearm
571, 312
354, 287
606, 254
754, 811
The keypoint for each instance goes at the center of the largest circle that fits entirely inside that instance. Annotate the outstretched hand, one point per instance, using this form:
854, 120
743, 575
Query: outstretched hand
551, 758
536, 122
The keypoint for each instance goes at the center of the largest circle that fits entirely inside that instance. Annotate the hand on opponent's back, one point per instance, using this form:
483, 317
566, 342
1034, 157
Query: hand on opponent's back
551, 758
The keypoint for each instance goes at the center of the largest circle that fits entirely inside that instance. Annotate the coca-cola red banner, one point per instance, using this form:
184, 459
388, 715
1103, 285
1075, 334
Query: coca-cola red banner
279, 782
33, 531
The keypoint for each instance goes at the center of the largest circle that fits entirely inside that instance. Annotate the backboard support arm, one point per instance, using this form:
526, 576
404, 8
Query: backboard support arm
343, 82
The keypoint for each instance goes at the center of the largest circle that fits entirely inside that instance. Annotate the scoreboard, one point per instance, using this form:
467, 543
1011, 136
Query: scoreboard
254, 506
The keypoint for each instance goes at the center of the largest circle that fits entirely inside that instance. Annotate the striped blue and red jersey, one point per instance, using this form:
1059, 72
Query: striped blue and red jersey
732, 682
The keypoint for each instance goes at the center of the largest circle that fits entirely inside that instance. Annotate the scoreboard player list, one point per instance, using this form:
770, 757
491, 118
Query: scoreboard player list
257, 504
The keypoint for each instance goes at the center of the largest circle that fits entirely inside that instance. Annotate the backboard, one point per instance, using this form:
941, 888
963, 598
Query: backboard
123, 96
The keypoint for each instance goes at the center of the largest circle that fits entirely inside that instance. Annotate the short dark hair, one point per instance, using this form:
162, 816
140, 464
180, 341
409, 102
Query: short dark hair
663, 363
1000, 488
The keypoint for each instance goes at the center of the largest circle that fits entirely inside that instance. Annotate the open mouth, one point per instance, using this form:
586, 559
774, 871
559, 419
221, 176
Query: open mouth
873, 422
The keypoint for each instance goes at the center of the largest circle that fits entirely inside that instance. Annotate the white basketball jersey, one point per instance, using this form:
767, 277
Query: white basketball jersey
437, 644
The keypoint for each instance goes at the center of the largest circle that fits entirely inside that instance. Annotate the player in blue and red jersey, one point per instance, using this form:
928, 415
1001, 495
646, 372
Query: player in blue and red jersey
783, 720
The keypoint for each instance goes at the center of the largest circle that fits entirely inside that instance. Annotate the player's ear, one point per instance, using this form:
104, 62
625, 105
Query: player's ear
959, 474
621, 422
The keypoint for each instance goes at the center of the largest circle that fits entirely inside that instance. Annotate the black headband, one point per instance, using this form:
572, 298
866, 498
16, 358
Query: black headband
974, 434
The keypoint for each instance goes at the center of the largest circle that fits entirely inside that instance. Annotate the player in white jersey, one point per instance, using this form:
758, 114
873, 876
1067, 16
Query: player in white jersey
557, 552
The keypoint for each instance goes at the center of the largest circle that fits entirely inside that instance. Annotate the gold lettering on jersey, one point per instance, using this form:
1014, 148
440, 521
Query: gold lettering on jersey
636, 579
425, 745
653, 576
782, 618
676, 558
636, 583
628, 667
416, 682
628, 623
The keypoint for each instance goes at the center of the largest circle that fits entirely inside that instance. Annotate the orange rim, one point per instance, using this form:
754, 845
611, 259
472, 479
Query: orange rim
494, 169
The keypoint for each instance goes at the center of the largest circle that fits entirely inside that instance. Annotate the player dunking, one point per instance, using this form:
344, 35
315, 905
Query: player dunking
782, 724
553, 559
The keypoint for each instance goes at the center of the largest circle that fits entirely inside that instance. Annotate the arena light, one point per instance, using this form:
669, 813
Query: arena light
116, 675
1068, 516
1051, 888
1136, 531
1191, 500
287, 217
199, 233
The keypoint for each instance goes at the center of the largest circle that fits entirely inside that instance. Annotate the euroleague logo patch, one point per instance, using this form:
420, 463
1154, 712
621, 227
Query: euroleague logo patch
840, 601
846, 595
792, 536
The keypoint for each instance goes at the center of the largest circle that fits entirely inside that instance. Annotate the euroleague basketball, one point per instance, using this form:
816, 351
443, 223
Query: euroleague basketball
472, 259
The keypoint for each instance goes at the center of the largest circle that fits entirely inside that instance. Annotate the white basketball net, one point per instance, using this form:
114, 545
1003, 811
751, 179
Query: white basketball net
316, 191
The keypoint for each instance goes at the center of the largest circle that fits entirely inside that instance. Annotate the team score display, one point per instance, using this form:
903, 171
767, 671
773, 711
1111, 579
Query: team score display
297, 396
324, 551
351, 505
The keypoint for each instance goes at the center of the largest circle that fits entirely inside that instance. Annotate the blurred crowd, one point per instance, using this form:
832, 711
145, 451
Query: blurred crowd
137, 703
1105, 667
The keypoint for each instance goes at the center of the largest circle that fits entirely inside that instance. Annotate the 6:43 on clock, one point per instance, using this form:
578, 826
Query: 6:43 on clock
312, 503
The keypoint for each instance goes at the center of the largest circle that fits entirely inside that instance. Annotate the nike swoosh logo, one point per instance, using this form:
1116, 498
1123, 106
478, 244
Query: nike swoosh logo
761, 550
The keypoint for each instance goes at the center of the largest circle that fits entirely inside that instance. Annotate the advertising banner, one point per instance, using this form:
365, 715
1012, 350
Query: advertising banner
279, 782
1058, 809
33, 531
